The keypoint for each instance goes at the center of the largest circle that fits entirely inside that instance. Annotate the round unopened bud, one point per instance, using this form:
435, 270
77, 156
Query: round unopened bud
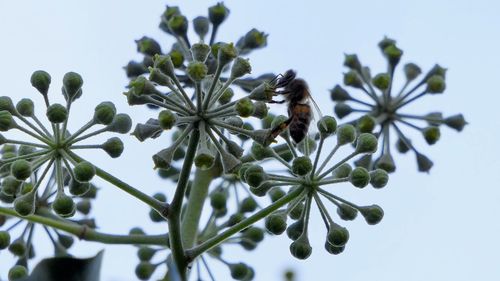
263, 92
18, 247
235, 219
84, 171
57, 113
424, 163
342, 109
178, 24
113, 147
10, 186
145, 253
436, 84
218, 13
352, 62
4, 239
148, 46
296, 212
244, 107
25, 204
276, 223
456, 122
366, 143
204, 159
65, 240
164, 64
240, 67
431, 134
296, 229
254, 234
379, 178
436, 70
177, 58
401, 146
84, 206
351, 78
144, 270
393, 54
359, 177
72, 84
373, 214
134, 69
261, 109
412, 71
327, 126
260, 152
248, 205
255, 175
301, 166
21, 169
346, 212
167, 119
218, 200
226, 53
386, 42
253, 39
366, 124
381, 81
104, 113
332, 249
386, 163
226, 96
238, 270
6, 121
26, 107
64, 205
276, 193
17, 272
121, 124
201, 26
337, 235
307, 145
339, 94
197, 70
300, 248
346, 134
40, 80
200, 51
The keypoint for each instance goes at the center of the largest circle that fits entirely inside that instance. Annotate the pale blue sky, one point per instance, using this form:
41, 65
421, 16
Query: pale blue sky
442, 226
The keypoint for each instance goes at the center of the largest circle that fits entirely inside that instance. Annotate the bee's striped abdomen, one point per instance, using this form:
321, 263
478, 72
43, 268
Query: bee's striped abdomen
301, 118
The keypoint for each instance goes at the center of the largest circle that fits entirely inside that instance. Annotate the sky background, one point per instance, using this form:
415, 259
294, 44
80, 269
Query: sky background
441, 226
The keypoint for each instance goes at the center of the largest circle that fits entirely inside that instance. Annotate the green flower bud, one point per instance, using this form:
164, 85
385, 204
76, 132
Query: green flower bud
234, 121
144, 270
226, 96
337, 235
200, 51
254, 234
104, 113
238, 270
351, 78
234, 149
307, 145
26, 107
255, 175
332, 249
278, 120
386, 163
78, 188
65, 240
165, 65
235, 219
64, 205
342, 109
4, 239
240, 68
346, 134
178, 24
436, 84
431, 134
7, 105
18, 247
382, 81
253, 39
6, 121
436, 70
57, 113
327, 126
295, 229
263, 92
260, 152
11, 186
17, 272
201, 26
142, 86
300, 248
386, 42
197, 71
412, 71
359, 177
137, 231
393, 54
424, 163
276, 223
230, 163
134, 69
226, 53
84, 171
167, 119
218, 13
163, 158
456, 122
154, 216
343, 171
261, 109
83, 206
148, 46
145, 253
301, 166
204, 159
339, 94
40, 80
177, 58
244, 107
218, 200
352, 62
113, 147
121, 124
364, 161
379, 178
21, 169
346, 212
366, 143
373, 214
72, 84
366, 124
434, 118
248, 205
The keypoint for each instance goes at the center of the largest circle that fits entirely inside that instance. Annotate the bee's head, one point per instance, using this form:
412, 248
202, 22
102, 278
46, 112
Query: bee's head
286, 78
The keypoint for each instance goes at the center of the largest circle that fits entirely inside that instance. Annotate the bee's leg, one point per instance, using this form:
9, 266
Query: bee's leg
277, 101
281, 92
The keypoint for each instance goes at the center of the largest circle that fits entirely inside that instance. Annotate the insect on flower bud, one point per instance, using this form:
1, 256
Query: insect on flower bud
359, 177
327, 126
178, 24
25, 107
148, 46
456, 122
201, 26
431, 134
6, 121
381, 81
263, 92
84, 171
218, 13
121, 124
351, 78
436, 84
40, 80
276, 222
167, 119
57, 113
200, 51
366, 143
300, 248
197, 71
245, 107
412, 71
72, 84
21, 169
346, 134
104, 113
373, 214
337, 235
301, 166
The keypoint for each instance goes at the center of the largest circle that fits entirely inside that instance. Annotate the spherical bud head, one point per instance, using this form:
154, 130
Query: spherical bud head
238, 270
248, 205
386, 42
412, 71
201, 26
78, 188
167, 119
287, 155
72, 83
352, 62
436, 84
366, 143
154, 216
337, 235
6, 121
144, 270
218, 13
381, 81
235, 219
343, 171
84, 171
145, 253
301, 249
260, 152
359, 177
342, 109
218, 200
57, 113
65, 240
456, 122
393, 54
240, 67
148, 46
366, 124
327, 126
424, 163
40, 80
346, 212
276, 223
386, 163
17, 272
255, 175
244, 107
121, 124
276, 193
254, 39
261, 109
373, 214
431, 134
234, 121
21, 169
4, 239
351, 78
204, 159
113, 147
254, 234
26, 107
197, 71
10, 186
18, 247
339, 94
333, 249
177, 58
64, 205
307, 145
84, 206
164, 64
178, 24
436, 70
346, 134
136, 231
226, 96
134, 69
171, 11
243, 169
200, 51
104, 113
379, 178
225, 53
295, 229
7, 105
234, 148
301, 166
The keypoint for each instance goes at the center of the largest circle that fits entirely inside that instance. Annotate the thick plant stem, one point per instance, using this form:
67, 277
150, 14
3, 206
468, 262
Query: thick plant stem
216, 240
174, 218
86, 233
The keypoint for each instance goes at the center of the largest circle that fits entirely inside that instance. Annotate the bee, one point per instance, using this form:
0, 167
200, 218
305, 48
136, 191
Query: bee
296, 94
